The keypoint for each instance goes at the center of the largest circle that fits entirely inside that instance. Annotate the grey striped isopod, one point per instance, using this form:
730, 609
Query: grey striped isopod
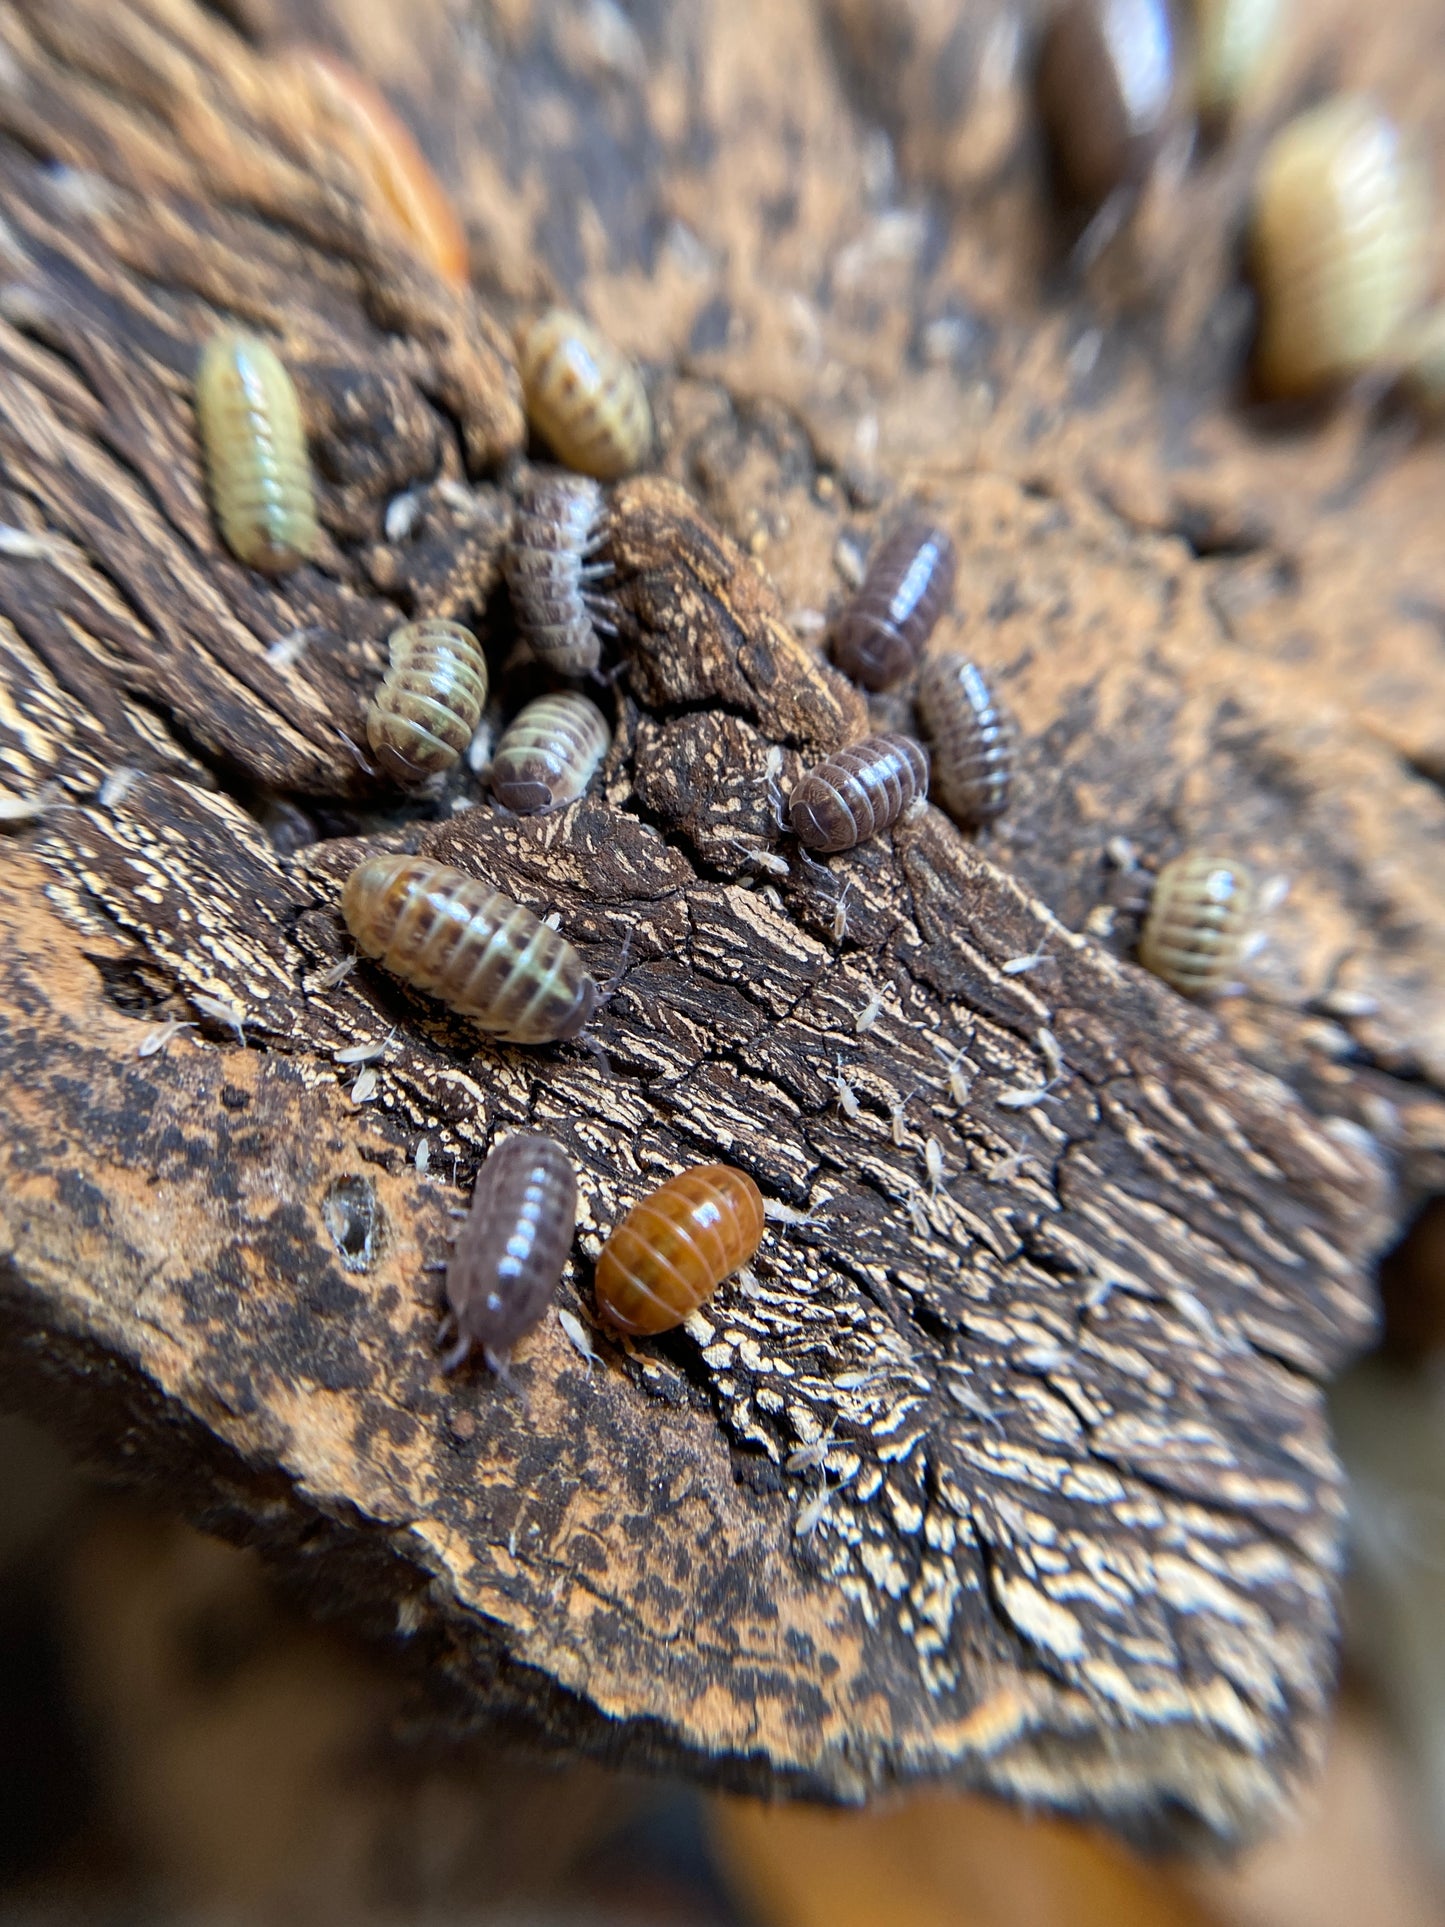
1106, 93
880, 635
430, 701
457, 939
1338, 245
554, 570
583, 396
1199, 918
973, 740
508, 1257
255, 450
857, 792
548, 755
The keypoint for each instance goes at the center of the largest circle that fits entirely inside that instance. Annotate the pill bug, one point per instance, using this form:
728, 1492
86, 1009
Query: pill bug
583, 396
457, 939
857, 792
1234, 45
675, 1247
1338, 245
1105, 86
508, 1257
554, 568
1199, 917
399, 181
880, 634
548, 755
255, 450
431, 699
973, 740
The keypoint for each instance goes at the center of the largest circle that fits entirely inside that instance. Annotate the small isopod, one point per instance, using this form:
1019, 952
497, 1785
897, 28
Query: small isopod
972, 739
508, 1257
430, 701
1234, 43
547, 757
1105, 85
1339, 234
456, 938
255, 450
858, 792
880, 635
583, 396
675, 1247
1199, 919
554, 572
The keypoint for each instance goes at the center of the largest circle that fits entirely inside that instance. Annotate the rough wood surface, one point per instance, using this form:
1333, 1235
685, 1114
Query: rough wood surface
1081, 1537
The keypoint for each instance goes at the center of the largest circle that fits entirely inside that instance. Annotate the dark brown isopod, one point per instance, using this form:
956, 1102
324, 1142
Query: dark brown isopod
548, 755
675, 1247
554, 572
858, 792
458, 939
1106, 84
973, 739
1200, 917
880, 635
430, 701
509, 1254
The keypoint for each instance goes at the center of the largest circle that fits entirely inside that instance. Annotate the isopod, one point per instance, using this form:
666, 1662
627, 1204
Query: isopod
1338, 244
858, 792
1234, 42
548, 755
508, 1257
675, 1247
1199, 919
456, 938
430, 701
880, 635
972, 739
553, 573
583, 396
1105, 87
255, 449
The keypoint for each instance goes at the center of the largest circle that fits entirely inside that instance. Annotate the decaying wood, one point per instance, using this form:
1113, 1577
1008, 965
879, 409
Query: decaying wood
1008, 1461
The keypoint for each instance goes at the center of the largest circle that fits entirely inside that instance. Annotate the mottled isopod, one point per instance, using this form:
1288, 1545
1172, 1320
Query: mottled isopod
675, 1247
1234, 45
548, 755
858, 792
509, 1254
1338, 245
1105, 82
255, 450
553, 572
1199, 919
880, 635
458, 939
972, 739
583, 396
430, 701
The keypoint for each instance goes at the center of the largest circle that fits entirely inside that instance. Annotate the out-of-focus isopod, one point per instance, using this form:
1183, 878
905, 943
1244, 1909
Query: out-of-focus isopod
880, 634
675, 1247
456, 938
1105, 80
554, 572
508, 1257
1338, 245
430, 701
858, 792
548, 755
399, 182
1199, 920
972, 739
255, 450
1234, 45
583, 396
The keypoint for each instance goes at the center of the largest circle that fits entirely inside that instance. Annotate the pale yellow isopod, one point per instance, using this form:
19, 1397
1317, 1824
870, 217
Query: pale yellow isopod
255, 451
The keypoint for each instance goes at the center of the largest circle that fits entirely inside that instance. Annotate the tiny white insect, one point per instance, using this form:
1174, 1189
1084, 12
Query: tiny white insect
1044, 1358
222, 1010
848, 560
1011, 1167
364, 1089
810, 1514
336, 974
898, 1117
960, 1084
403, 512
1017, 966
1051, 1052
577, 1335
769, 894
765, 860
1023, 1097
158, 1036
365, 1053
24, 546
288, 649
933, 1164
421, 1157
25, 809
1349, 1003
870, 1013
814, 1457
840, 913
1121, 853
118, 786
964, 1395
779, 1213
479, 750
918, 1212
553, 919
847, 1096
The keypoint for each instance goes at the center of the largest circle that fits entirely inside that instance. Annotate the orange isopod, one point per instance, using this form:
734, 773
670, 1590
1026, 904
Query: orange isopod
675, 1247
